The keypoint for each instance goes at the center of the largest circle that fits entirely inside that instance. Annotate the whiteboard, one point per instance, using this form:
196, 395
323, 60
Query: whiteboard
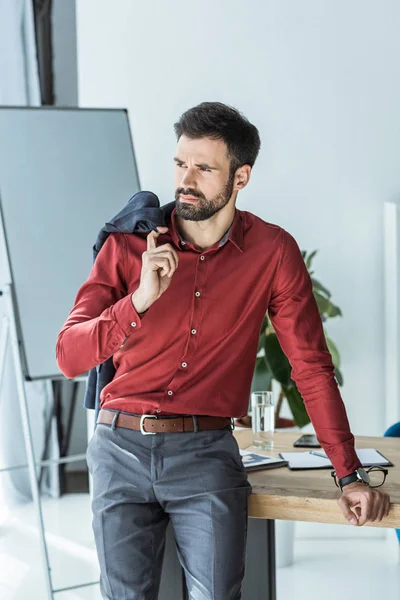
63, 174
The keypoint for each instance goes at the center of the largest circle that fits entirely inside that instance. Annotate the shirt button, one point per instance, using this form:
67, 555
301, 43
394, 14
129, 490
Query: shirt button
170, 392
158, 410
194, 331
183, 243
202, 257
197, 294
133, 324
184, 364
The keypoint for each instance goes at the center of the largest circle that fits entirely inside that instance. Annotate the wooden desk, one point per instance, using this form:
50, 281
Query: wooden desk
309, 495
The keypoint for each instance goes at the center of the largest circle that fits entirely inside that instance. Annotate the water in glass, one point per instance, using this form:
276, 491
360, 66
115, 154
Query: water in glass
263, 419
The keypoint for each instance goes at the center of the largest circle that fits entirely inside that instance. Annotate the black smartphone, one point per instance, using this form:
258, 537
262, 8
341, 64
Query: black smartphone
308, 440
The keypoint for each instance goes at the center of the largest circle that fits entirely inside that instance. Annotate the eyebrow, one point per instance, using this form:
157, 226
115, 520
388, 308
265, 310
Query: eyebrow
203, 165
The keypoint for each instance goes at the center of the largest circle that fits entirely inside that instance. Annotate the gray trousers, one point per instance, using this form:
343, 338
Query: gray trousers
140, 483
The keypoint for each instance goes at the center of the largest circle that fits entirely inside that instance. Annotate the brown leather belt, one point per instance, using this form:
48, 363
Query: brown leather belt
149, 424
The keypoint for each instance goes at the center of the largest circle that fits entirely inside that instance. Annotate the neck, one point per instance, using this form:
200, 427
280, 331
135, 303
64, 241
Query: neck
204, 234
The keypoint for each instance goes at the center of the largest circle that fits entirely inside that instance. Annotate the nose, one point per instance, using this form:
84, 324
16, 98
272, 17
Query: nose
188, 180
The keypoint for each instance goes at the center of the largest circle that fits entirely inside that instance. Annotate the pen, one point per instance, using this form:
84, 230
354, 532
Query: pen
318, 454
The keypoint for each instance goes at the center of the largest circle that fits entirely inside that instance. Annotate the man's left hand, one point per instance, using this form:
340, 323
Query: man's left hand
359, 503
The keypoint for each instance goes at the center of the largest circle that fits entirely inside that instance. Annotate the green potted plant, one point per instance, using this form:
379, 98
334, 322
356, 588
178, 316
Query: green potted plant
272, 363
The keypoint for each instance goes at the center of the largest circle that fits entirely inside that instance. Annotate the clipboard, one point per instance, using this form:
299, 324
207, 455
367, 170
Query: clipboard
297, 461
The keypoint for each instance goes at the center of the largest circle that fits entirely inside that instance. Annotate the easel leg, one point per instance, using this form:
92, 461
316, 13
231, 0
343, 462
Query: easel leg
3, 344
27, 435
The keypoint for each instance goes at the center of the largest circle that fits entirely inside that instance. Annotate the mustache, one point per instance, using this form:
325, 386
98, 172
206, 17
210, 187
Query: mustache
188, 193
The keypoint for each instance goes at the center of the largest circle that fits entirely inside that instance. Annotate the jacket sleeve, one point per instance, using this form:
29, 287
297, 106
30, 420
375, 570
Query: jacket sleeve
295, 317
103, 315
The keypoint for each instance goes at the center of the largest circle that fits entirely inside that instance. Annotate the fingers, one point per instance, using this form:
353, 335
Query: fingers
345, 508
379, 506
169, 248
366, 501
376, 505
164, 260
387, 505
380, 512
165, 256
153, 235
383, 506
368, 505
151, 243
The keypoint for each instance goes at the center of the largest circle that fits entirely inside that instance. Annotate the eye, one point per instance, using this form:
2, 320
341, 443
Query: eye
201, 168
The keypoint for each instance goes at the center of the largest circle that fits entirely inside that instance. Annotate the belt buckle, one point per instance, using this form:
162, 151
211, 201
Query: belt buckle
142, 418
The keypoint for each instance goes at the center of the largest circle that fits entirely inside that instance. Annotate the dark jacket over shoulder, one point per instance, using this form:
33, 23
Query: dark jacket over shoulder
141, 214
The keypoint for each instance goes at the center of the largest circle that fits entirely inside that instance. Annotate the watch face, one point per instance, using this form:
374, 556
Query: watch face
363, 474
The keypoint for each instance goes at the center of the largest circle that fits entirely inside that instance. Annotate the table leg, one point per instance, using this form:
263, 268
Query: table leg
260, 577
173, 585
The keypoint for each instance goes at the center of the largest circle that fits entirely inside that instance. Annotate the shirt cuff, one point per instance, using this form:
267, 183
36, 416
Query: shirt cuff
345, 464
126, 316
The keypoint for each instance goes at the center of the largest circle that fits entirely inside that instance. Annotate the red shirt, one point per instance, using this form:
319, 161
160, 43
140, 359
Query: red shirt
194, 350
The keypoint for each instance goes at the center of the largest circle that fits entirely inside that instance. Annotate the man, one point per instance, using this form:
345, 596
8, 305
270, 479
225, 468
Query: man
180, 311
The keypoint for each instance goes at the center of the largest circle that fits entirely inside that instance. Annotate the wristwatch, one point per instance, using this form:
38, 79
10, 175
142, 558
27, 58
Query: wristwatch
359, 474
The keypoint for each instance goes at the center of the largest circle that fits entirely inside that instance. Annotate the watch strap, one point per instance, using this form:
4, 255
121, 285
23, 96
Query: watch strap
359, 475
348, 479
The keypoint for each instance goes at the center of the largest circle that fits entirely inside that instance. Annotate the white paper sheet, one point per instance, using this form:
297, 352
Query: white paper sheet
304, 460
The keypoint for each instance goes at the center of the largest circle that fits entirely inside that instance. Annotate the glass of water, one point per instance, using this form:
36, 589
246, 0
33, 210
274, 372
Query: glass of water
263, 419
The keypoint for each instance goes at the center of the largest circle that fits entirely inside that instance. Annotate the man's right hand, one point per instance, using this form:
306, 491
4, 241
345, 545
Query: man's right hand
158, 266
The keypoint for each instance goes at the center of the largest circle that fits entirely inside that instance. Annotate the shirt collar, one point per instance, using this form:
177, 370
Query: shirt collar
234, 233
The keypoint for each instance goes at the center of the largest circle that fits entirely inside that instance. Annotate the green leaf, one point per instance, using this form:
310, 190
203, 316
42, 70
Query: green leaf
333, 350
277, 360
261, 339
265, 323
334, 311
339, 376
325, 306
310, 258
335, 359
261, 342
269, 325
296, 405
318, 286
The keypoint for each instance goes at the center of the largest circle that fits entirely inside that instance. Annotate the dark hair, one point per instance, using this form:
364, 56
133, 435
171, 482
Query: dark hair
221, 122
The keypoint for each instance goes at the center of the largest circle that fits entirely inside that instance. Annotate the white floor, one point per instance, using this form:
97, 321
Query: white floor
361, 567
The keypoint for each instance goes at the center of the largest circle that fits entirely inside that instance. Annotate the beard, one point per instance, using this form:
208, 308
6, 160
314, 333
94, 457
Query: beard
205, 208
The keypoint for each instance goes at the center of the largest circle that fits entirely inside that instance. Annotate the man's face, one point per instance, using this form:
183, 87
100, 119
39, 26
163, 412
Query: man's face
202, 171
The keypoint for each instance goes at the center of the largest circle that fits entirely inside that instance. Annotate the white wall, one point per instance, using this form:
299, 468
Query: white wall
321, 81
64, 53
66, 94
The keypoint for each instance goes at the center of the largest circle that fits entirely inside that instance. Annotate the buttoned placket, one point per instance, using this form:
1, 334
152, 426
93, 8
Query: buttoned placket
196, 319
197, 315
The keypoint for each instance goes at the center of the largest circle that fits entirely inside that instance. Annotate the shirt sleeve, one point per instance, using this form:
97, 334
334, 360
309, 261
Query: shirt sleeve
103, 315
295, 317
